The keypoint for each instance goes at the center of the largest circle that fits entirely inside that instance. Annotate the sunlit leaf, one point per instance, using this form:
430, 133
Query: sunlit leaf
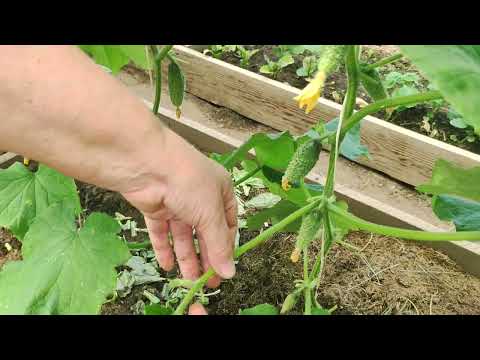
455, 71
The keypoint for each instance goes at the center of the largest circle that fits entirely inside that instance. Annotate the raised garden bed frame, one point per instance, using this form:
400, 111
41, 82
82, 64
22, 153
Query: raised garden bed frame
395, 151
465, 253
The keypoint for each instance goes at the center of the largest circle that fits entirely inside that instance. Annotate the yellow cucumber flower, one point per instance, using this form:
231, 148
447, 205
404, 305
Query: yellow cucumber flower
310, 94
285, 184
295, 255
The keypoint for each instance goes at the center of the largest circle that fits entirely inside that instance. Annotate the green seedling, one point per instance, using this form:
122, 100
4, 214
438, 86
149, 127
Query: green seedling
309, 67
273, 68
217, 51
245, 55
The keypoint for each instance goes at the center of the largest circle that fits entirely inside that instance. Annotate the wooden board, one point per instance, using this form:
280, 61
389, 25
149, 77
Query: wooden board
7, 159
395, 151
465, 253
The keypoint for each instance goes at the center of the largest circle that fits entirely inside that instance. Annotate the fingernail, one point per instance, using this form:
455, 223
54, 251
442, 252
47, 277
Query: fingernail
227, 270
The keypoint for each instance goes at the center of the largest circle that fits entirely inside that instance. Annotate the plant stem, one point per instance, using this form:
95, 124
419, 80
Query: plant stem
307, 292
243, 149
197, 285
387, 103
157, 66
248, 176
258, 240
404, 233
267, 234
305, 190
384, 61
347, 110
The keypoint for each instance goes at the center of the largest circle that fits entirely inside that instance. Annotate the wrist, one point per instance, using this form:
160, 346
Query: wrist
156, 160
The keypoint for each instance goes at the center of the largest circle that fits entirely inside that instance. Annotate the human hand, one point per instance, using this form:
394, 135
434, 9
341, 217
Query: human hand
197, 193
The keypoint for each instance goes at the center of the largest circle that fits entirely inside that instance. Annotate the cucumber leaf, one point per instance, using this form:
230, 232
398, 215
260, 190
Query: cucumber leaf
137, 54
110, 56
465, 214
25, 194
274, 215
453, 180
455, 71
272, 150
456, 195
64, 270
115, 57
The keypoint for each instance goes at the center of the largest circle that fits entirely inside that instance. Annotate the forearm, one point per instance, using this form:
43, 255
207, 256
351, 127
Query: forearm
61, 109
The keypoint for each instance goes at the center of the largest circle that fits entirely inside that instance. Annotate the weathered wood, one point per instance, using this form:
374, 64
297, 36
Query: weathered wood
465, 253
7, 159
395, 151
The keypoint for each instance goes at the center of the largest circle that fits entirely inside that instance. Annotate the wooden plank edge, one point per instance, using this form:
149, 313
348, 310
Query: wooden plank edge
7, 159
464, 253
370, 129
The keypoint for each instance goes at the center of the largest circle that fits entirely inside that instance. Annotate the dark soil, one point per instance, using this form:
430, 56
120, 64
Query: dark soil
335, 88
389, 277
6, 240
410, 278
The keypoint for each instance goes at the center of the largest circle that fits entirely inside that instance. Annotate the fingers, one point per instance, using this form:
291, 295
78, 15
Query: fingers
217, 231
197, 309
215, 280
219, 242
158, 231
185, 250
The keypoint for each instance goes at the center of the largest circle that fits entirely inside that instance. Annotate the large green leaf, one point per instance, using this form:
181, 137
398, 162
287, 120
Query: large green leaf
272, 150
64, 270
137, 54
452, 180
465, 214
455, 71
274, 215
262, 309
111, 56
457, 194
25, 194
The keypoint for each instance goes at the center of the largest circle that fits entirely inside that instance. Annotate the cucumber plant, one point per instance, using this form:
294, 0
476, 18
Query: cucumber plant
282, 162
43, 210
68, 260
